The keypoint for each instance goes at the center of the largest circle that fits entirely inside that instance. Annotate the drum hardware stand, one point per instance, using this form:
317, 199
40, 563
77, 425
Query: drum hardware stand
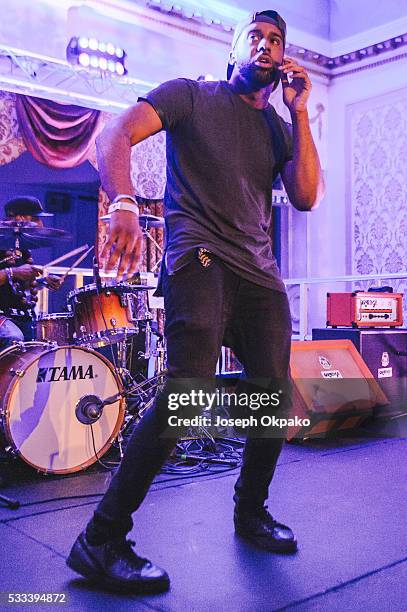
5, 501
120, 444
147, 346
123, 372
146, 232
8, 502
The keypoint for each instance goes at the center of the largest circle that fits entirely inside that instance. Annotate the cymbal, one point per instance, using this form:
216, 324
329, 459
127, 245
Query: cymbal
146, 221
29, 235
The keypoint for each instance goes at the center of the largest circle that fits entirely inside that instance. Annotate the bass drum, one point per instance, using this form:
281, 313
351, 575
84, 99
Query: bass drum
43, 390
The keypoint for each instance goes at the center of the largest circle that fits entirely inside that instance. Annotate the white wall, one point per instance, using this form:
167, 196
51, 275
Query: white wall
331, 230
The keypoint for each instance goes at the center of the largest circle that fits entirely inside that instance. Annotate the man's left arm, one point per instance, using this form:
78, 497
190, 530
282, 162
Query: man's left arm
302, 176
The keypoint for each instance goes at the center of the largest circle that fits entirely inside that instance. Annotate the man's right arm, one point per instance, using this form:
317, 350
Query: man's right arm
113, 148
25, 273
3, 277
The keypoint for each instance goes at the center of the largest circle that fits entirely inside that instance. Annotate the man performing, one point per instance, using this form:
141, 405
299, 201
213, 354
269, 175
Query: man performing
18, 290
225, 146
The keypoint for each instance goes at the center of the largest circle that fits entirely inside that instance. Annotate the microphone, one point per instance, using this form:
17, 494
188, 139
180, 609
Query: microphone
96, 274
89, 409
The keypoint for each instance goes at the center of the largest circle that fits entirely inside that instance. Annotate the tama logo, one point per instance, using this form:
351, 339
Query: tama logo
54, 374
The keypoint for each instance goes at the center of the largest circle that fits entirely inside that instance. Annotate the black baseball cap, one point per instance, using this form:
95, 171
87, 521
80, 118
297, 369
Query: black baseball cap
261, 16
25, 205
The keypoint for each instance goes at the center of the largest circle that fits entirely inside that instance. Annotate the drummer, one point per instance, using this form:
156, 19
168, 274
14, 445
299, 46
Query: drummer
18, 288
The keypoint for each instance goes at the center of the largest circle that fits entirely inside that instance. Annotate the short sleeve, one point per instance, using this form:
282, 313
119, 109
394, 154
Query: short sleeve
287, 130
172, 101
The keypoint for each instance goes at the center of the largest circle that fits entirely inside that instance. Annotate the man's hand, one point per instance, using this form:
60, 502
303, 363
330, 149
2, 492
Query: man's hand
53, 282
296, 93
124, 244
26, 273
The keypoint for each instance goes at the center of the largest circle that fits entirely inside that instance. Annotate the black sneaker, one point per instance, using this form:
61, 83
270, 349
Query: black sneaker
262, 530
115, 565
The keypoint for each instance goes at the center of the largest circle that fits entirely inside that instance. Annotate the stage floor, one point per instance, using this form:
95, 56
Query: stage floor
345, 500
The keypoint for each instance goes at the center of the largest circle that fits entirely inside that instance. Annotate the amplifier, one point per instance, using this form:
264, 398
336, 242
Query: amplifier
333, 388
385, 354
364, 309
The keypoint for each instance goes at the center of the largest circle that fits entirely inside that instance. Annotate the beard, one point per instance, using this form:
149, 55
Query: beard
257, 76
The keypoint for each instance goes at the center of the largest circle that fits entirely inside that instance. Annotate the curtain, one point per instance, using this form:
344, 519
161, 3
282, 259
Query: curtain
58, 135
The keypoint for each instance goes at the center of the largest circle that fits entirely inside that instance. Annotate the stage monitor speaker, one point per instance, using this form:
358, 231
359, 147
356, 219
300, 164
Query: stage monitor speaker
385, 354
333, 388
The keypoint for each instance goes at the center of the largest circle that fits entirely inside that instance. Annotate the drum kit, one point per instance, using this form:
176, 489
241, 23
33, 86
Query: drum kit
63, 404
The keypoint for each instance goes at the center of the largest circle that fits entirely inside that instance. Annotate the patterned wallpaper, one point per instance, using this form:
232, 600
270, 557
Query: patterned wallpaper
377, 179
11, 141
148, 161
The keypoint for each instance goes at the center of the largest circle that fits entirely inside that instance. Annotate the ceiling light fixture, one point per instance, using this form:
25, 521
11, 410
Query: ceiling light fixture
94, 54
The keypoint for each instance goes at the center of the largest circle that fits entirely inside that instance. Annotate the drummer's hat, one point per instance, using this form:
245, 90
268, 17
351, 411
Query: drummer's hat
25, 205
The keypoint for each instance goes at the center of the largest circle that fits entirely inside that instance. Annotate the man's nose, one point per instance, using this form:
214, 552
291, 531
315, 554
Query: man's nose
263, 45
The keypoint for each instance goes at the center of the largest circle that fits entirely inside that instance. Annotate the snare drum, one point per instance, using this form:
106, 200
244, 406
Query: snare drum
108, 315
44, 394
56, 327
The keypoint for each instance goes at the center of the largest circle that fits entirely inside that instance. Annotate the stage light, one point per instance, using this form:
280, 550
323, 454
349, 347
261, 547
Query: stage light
96, 55
119, 68
84, 59
110, 48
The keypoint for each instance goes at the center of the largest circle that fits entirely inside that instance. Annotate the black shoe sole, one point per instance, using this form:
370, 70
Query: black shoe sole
286, 548
153, 586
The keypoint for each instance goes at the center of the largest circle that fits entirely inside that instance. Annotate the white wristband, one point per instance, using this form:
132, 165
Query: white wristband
124, 196
130, 207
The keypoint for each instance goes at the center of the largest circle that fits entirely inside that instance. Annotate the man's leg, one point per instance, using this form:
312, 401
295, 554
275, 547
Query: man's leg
262, 340
194, 330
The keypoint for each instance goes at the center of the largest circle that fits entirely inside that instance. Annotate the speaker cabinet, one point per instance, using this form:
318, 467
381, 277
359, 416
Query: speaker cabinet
385, 354
333, 388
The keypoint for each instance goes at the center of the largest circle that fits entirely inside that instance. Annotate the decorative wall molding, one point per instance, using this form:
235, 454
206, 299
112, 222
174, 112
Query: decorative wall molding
36, 74
385, 31
338, 65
